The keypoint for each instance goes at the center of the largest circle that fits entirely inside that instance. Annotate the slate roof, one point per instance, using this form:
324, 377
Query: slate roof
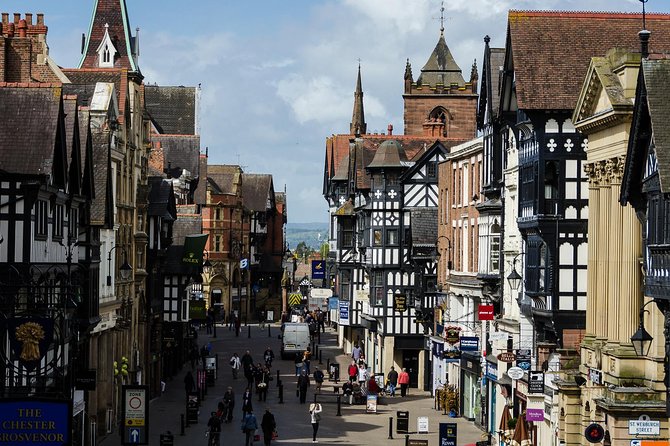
99, 204
30, 117
657, 83
496, 65
74, 159
172, 109
389, 154
185, 224
551, 50
256, 189
87, 78
180, 151
424, 226
115, 14
441, 68
224, 179
161, 199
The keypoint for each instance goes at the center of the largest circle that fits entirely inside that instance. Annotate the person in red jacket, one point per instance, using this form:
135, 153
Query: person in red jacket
353, 371
403, 380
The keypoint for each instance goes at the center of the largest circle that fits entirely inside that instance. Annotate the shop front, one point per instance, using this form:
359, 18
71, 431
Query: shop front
470, 386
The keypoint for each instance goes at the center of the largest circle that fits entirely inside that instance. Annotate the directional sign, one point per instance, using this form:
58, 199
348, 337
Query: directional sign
135, 415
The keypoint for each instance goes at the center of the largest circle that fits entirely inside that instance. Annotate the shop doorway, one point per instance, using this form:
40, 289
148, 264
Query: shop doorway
410, 361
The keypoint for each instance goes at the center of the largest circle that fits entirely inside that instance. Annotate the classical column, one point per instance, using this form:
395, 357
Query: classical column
615, 296
602, 286
591, 287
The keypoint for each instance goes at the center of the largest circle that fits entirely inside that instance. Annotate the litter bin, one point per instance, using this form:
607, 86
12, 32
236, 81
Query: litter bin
334, 371
402, 422
167, 439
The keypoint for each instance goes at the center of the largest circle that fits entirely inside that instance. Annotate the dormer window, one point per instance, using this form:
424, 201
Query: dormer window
106, 50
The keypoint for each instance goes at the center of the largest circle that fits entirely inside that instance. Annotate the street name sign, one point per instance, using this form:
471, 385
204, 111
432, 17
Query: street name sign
644, 427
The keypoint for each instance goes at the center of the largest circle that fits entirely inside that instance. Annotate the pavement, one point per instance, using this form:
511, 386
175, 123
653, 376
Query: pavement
353, 427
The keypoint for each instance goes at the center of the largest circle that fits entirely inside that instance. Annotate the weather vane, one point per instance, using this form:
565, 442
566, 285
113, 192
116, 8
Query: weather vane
441, 18
644, 14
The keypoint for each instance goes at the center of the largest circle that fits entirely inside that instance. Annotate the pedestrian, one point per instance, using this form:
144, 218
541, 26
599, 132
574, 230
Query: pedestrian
263, 384
356, 353
268, 426
238, 325
214, 425
362, 375
249, 426
318, 379
228, 404
321, 319
303, 384
352, 371
306, 356
373, 387
269, 356
189, 383
235, 365
298, 364
392, 378
246, 401
210, 319
315, 416
194, 356
403, 380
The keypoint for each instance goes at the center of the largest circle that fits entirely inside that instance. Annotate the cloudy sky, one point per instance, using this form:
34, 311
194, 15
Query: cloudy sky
278, 76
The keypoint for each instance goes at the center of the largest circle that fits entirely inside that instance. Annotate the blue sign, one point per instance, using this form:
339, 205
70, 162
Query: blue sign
134, 435
469, 343
448, 434
491, 370
344, 312
35, 422
333, 303
244, 264
318, 269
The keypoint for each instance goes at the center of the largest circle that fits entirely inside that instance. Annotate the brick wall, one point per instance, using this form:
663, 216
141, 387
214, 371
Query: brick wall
462, 110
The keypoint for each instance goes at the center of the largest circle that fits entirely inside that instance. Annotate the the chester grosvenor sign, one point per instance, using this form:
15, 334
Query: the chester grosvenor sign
35, 422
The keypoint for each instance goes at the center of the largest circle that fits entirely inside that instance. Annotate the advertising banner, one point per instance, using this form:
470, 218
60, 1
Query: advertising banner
486, 312
344, 312
534, 414
36, 422
194, 246
318, 269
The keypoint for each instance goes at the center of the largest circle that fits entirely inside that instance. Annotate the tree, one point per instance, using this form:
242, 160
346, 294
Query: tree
302, 251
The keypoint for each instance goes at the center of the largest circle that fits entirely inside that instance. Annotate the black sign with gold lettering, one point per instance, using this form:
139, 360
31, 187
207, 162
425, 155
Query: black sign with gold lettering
400, 303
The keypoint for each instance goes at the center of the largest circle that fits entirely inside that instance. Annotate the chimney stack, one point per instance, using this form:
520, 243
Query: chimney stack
644, 42
390, 129
29, 18
17, 17
23, 27
40, 19
10, 30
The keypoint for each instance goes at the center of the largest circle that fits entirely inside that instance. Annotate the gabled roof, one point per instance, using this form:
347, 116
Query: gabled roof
161, 199
172, 109
551, 50
32, 130
87, 78
441, 68
389, 154
422, 157
489, 93
114, 14
224, 179
256, 190
181, 151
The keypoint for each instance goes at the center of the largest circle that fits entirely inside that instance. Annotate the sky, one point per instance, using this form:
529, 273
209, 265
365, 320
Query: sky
278, 76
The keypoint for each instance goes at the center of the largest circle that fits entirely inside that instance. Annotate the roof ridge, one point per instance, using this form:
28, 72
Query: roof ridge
31, 84
519, 13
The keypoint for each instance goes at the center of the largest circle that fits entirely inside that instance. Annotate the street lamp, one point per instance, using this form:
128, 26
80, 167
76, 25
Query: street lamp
642, 339
514, 277
125, 270
450, 265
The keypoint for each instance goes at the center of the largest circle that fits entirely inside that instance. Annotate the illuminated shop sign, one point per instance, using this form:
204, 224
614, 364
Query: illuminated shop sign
35, 422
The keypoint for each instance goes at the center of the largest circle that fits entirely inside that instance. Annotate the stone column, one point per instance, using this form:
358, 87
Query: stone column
601, 288
591, 296
615, 268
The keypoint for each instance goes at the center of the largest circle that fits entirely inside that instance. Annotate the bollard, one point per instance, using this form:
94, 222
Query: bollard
269, 334
249, 331
339, 405
315, 398
320, 355
181, 431
406, 440
390, 428
316, 350
281, 393
217, 361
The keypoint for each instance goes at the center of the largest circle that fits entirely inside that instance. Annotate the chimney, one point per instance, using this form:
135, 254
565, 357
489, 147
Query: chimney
10, 30
40, 19
29, 18
644, 42
390, 129
22, 28
17, 17
5, 18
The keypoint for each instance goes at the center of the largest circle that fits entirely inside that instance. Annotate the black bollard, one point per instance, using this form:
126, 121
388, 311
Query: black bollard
278, 380
269, 334
320, 355
390, 428
249, 331
281, 394
339, 405
217, 361
406, 440
181, 432
315, 398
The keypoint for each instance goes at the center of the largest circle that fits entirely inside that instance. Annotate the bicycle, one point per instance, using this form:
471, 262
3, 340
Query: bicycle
213, 438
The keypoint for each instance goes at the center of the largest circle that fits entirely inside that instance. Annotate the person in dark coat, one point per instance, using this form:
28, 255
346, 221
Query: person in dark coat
189, 383
246, 402
268, 426
303, 384
228, 404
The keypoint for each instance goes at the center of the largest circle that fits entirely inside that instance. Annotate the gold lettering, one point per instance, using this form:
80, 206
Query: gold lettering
52, 425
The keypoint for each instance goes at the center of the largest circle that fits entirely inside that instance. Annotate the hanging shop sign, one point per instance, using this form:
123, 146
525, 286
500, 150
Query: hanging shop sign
318, 269
469, 343
486, 313
594, 433
523, 358
452, 335
596, 376
506, 357
36, 421
344, 312
197, 310
534, 414
535, 381
29, 339
400, 303
451, 354
515, 373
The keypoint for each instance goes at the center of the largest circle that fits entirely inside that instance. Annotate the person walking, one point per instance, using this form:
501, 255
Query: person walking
235, 365
362, 376
392, 378
189, 383
214, 425
269, 356
268, 426
403, 380
299, 365
249, 426
356, 353
318, 379
238, 326
315, 417
306, 356
246, 401
228, 405
303, 384
352, 371
263, 383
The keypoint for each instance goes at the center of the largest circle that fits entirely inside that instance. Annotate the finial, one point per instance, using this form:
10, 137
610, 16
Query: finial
442, 19
359, 63
487, 39
644, 14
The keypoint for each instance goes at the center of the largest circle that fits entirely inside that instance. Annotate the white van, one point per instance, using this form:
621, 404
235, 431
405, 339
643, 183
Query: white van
295, 339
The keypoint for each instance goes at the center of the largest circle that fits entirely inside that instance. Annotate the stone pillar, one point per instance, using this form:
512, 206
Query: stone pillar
615, 295
601, 289
591, 295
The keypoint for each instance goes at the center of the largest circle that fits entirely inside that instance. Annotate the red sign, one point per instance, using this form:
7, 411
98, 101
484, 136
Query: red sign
506, 357
486, 312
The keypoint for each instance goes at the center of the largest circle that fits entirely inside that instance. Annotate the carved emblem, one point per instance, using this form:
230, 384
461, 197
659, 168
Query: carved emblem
30, 334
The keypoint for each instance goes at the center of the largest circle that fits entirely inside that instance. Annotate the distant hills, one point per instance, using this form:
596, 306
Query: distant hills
313, 234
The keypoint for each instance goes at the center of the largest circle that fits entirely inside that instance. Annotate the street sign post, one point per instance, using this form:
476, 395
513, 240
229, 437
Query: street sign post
135, 415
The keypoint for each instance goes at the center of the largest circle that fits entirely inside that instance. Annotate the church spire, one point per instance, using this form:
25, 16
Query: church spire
109, 42
358, 126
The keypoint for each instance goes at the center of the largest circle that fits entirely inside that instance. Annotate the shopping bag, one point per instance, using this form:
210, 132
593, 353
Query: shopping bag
275, 435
